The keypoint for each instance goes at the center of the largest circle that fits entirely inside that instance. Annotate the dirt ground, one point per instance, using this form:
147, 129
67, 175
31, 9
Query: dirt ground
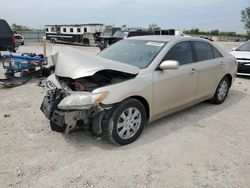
205, 146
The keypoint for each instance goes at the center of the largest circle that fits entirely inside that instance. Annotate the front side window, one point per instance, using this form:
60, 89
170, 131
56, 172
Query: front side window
138, 53
181, 52
47, 29
64, 30
71, 30
203, 51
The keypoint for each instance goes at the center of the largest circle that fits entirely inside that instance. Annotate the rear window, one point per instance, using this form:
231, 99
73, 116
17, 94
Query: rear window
203, 51
18, 37
5, 28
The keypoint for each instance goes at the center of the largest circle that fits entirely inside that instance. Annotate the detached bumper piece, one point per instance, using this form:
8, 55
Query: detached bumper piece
56, 117
57, 122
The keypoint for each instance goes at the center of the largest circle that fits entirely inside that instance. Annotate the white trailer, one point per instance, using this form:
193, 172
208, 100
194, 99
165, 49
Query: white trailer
81, 34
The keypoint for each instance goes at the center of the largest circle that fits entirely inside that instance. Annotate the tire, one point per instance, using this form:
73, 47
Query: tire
123, 131
221, 91
85, 41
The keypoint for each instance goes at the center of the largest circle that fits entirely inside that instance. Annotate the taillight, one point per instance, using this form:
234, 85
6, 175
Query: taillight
13, 39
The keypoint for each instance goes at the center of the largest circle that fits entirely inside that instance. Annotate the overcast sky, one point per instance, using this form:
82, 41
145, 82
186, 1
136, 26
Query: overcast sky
179, 14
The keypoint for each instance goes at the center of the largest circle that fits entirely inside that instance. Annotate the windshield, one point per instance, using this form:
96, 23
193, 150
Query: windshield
18, 37
139, 53
244, 47
121, 34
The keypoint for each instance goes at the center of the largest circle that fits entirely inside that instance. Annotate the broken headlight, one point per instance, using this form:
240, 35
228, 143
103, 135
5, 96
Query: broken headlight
81, 101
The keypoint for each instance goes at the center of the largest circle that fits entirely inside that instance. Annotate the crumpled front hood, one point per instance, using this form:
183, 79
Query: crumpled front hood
74, 63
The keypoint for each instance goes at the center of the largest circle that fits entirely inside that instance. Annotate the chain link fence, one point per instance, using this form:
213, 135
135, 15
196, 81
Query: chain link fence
32, 36
37, 37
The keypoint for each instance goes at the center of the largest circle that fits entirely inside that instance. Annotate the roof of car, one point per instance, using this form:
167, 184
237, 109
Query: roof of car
164, 38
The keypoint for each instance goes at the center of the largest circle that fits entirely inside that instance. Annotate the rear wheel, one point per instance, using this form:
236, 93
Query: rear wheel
85, 41
126, 123
53, 41
221, 91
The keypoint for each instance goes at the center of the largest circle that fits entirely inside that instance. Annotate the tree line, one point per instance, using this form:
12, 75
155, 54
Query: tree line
215, 32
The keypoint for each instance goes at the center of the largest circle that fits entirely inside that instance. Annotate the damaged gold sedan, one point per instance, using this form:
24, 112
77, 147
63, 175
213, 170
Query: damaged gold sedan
133, 82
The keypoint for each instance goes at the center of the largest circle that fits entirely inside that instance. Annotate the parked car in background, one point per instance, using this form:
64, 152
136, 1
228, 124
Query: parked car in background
135, 81
106, 41
7, 39
19, 39
242, 55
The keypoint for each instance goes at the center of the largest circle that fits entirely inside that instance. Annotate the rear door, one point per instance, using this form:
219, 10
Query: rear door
6, 36
210, 66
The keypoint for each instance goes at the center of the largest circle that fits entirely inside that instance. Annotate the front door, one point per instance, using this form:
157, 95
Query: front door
176, 88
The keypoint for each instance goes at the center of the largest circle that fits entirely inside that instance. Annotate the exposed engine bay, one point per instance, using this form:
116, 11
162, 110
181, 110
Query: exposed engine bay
99, 79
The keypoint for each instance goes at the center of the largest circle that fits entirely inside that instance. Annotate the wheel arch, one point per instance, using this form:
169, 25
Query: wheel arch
229, 76
144, 103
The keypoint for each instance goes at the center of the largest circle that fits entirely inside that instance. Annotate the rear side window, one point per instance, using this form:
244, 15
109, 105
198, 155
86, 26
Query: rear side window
203, 51
5, 28
217, 54
181, 52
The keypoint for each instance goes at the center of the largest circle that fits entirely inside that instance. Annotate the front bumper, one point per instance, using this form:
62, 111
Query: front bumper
243, 68
67, 120
49, 109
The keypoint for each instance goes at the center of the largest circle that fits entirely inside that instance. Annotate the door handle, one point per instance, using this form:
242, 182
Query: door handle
193, 71
222, 63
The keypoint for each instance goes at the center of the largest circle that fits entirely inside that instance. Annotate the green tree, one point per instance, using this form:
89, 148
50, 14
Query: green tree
245, 18
196, 31
108, 28
215, 32
15, 27
154, 27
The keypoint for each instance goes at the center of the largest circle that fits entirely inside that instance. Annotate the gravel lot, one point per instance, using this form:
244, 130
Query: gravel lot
203, 146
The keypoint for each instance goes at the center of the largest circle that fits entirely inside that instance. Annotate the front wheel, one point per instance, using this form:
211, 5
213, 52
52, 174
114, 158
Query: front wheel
126, 122
221, 91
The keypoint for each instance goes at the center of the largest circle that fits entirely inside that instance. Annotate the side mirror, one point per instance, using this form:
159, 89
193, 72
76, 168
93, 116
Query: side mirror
233, 49
169, 65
